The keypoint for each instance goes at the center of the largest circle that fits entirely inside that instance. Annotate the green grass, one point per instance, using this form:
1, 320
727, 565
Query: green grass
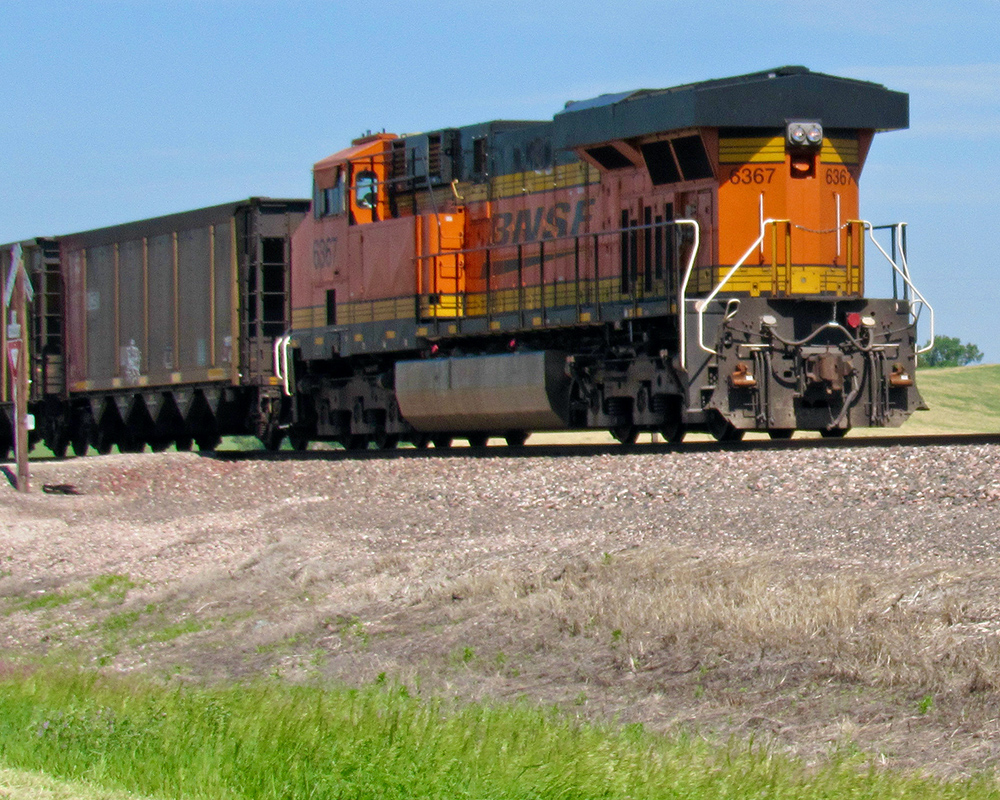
278, 741
961, 400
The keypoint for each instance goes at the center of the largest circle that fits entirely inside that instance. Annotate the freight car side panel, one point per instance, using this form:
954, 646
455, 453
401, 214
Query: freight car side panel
154, 309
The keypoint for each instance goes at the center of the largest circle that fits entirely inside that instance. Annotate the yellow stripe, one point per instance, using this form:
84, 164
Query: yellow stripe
839, 151
766, 149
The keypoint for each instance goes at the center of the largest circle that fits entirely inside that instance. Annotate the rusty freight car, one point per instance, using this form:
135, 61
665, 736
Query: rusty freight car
161, 332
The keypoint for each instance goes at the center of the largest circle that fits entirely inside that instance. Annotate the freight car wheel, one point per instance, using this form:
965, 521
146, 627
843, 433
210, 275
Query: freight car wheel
59, 446
159, 443
298, 441
781, 433
441, 442
478, 439
626, 434
208, 442
104, 441
355, 442
183, 443
834, 433
386, 441
515, 438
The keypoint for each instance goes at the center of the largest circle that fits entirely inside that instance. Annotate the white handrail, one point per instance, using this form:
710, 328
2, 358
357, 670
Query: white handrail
281, 362
904, 273
701, 305
684, 284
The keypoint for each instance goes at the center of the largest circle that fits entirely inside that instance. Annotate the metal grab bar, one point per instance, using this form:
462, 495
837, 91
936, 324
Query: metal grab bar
701, 305
684, 284
904, 273
281, 362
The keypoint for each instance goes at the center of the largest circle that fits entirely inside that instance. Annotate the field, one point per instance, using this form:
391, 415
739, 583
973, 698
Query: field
698, 624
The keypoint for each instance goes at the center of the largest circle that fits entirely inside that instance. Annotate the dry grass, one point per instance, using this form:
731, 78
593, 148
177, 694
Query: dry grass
920, 630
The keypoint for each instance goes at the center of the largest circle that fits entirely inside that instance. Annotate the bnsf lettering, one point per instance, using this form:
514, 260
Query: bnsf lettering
531, 225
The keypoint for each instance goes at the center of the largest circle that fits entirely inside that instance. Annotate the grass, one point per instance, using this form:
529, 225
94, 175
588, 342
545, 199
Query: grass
279, 741
961, 400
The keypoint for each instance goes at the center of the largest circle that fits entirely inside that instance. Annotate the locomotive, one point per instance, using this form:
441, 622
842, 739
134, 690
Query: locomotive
673, 260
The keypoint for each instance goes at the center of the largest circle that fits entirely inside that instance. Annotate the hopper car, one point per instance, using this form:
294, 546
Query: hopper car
673, 260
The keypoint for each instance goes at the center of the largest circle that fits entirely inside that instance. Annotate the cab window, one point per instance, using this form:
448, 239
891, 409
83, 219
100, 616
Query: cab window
366, 189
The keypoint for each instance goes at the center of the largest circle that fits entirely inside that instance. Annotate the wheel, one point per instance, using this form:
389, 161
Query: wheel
4, 449
441, 442
420, 441
673, 431
478, 439
626, 434
355, 442
207, 442
515, 438
723, 430
159, 443
58, 446
104, 441
183, 443
298, 441
781, 433
834, 433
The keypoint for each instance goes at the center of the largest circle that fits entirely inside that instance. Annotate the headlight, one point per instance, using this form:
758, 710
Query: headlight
804, 133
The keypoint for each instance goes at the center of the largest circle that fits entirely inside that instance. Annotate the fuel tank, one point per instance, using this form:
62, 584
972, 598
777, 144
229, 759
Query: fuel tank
494, 393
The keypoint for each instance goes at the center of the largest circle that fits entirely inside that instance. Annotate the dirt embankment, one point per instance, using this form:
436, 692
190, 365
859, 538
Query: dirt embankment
822, 599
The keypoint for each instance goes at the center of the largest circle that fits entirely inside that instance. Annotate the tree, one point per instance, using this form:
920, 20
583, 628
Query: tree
948, 351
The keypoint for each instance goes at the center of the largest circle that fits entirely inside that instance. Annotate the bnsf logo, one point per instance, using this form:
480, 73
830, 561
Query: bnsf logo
544, 222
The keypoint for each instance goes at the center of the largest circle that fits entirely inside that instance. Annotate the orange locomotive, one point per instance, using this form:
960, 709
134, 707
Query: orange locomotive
670, 260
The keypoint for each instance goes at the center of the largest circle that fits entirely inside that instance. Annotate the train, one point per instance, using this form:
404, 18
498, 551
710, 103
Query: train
658, 261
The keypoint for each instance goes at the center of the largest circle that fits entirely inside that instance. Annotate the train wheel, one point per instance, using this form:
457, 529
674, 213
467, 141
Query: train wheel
420, 441
386, 441
4, 449
58, 446
626, 434
80, 443
159, 443
673, 432
478, 439
723, 430
515, 438
104, 441
272, 439
781, 433
298, 441
183, 443
208, 442
356, 441
441, 442
834, 433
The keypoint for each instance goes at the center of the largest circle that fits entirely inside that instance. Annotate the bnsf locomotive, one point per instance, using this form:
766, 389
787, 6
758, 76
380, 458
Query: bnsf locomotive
665, 261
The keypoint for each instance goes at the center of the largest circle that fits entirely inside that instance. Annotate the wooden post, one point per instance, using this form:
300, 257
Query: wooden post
15, 297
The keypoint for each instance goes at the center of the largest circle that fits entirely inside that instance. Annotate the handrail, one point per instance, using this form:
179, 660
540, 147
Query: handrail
281, 362
684, 284
701, 305
904, 273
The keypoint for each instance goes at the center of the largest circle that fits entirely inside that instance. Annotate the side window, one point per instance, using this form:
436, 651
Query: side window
330, 201
366, 189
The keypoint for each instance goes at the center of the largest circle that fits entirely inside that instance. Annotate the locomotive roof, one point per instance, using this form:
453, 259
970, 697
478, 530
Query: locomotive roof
765, 99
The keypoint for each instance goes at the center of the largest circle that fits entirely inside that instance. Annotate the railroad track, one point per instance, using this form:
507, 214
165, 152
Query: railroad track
613, 449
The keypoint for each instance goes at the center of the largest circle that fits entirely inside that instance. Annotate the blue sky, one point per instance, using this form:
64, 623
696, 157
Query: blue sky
120, 109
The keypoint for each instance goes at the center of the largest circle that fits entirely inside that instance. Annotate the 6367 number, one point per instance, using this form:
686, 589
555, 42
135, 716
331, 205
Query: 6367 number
752, 175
